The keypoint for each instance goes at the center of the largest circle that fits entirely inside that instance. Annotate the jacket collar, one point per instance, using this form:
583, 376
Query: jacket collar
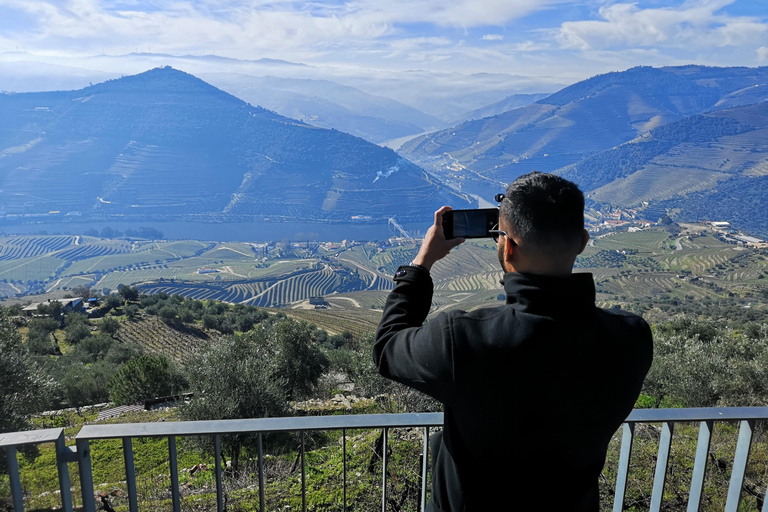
548, 295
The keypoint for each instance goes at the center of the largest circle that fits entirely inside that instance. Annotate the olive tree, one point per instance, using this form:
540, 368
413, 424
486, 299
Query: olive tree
703, 364
253, 375
148, 376
24, 388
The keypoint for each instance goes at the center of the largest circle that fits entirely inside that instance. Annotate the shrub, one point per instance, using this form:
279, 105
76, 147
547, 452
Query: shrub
109, 326
146, 377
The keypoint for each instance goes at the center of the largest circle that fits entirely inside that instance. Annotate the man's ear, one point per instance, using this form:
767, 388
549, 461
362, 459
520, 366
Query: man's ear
584, 241
509, 249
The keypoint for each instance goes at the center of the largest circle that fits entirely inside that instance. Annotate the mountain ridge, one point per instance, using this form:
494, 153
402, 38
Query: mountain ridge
166, 145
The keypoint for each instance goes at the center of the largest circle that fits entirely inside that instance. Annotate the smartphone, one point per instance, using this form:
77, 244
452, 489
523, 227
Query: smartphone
470, 223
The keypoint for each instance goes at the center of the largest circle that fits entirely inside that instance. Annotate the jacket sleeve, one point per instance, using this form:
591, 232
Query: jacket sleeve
420, 356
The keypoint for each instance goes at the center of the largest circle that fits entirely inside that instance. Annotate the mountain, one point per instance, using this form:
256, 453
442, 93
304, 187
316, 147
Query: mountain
577, 122
327, 104
165, 145
509, 103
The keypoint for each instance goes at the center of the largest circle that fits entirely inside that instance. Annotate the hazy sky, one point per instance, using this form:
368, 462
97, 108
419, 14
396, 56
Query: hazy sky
564, 38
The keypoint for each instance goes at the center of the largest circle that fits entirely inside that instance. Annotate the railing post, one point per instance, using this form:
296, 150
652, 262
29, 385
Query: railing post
62, 453
260, 448
344, 467
174, 466
660, 477
384, 471
130, 474
303, 480
743, 447
217, 468
13, 472
86, 475
700, 466
628, 434
424, 467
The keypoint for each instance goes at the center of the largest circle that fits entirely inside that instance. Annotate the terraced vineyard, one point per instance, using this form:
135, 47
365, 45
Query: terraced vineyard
178, 342
20, 247
654, 267
35, 268
359, 322
101, 248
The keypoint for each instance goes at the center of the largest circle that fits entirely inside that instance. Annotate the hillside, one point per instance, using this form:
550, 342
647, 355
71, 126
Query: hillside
713, 166
579, 121
165, 145
509, 103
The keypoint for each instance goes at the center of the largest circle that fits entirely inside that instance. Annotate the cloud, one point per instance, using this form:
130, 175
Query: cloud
694, 25
762, 54
450, 13
540, 37
246, 24
237, 28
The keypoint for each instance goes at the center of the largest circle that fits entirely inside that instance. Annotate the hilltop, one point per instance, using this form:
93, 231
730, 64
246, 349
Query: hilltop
166, 145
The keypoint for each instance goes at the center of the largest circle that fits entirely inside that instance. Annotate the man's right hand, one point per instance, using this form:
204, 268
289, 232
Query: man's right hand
435, 247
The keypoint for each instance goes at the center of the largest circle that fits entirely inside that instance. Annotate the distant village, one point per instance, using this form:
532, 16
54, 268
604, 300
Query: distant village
626, 219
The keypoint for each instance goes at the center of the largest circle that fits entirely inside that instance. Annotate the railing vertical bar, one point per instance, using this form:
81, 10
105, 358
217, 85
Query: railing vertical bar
765, 502
130, 474
174, 463
63, 469
86, 475
662, 463
260, 448
13, 472
217, 469
700, 466
743, 446
424, 467
303, 478
384, 470
344, 466
628, 434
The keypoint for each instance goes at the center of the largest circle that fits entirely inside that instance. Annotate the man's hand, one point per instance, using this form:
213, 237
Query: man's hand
435, 247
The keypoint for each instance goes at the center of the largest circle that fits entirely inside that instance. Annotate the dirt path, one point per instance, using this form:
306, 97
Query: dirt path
375, 274
229, 270
350, 299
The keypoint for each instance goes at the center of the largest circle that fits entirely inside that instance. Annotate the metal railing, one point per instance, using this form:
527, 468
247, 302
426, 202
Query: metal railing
747, 416
64, 454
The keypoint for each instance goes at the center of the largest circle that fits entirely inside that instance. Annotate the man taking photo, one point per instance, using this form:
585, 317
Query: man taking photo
532, 390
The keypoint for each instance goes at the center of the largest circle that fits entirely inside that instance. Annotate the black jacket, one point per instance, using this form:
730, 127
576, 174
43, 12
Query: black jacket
533, 390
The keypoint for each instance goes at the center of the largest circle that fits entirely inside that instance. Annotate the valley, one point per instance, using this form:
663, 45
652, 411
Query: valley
658, 271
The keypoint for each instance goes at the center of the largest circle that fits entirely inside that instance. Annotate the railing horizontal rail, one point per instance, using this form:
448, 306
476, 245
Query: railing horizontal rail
47, 435
192, 428
698, 414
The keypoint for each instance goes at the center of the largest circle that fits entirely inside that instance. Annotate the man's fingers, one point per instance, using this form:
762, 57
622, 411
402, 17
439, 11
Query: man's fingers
453, 242
439, 215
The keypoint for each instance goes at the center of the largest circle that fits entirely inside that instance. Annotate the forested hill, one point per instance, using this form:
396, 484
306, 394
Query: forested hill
711, 167
166, 145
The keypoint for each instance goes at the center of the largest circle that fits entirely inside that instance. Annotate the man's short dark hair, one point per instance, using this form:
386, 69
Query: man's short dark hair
544, 209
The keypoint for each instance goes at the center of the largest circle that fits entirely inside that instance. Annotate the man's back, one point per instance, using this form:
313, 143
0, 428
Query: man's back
533, 390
